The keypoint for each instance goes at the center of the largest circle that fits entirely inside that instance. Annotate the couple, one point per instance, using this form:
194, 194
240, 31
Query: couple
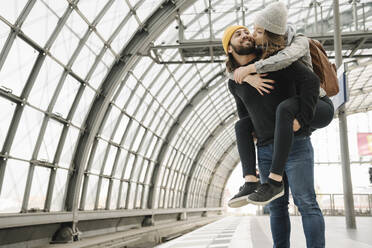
281, 120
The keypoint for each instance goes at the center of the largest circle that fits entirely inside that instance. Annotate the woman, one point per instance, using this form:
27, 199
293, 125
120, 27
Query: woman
269, 30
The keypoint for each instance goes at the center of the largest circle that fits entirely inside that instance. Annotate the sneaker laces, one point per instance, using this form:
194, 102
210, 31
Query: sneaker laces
262, 188
241, 187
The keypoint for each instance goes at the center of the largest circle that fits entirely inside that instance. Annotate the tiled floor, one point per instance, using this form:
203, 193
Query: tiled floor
254, 232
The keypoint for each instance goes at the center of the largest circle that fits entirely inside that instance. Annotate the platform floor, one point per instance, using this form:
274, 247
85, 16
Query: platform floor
254, 232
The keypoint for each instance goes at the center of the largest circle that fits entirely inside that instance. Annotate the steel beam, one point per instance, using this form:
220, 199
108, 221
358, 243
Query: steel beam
40, 218
345, 159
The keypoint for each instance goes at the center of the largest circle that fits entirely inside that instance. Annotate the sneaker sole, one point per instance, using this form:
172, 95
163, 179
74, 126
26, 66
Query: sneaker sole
265, 202
238, 202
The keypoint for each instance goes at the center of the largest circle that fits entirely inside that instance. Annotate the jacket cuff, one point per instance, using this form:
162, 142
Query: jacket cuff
259, 65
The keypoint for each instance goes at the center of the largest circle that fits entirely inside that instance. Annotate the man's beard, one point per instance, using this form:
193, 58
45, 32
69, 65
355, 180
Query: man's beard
244, 50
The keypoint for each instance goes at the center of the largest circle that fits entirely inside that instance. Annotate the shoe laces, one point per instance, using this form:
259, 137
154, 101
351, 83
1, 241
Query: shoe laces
263, 188
241, 187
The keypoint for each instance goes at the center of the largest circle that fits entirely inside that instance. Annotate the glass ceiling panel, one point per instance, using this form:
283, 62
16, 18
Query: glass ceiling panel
50, 141
125, 34
112, 18
13, 186
4, 33
42, 20
68, 147
87, 56
77, 24
91, 9
147, 8
7, 110
65, 45
45, 84
10, 10
17, 66
83, 106
66, 96
59, 190
27, 133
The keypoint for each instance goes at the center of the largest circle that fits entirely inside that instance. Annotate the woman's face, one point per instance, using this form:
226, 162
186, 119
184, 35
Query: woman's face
258, 35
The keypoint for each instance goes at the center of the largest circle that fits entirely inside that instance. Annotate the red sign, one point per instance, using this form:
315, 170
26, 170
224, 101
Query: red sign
365, 144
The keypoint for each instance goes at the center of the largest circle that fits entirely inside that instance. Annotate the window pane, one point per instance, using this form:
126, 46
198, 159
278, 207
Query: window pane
139, 196
98, 75
146, 9
39, 188
65, 44
125, 34
114, 194
68, 147
143, 171
15, 178
84, 104
66, 96
41, 21
110, 123
131, 196
17, 66
10, 10
110, 160
99, 156
4, 33
91, 192
6, 115
27, 133
124, 193
86, 58
119, 132
112, 18
121, 163
138, 138
76, 24
90, 9
45, 84
50, 141
103, 193
59, 190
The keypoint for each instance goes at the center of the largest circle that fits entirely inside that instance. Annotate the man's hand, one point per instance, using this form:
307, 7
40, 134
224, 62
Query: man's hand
259, 83
241, 72
296, 125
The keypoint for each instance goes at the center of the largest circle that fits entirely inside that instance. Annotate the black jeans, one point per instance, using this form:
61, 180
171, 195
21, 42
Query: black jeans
283, 137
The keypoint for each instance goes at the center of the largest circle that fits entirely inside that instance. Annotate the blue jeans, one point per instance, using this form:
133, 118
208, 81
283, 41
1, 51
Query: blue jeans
299, 177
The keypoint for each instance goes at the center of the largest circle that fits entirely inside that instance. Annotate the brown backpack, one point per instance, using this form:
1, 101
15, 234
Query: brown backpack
325, 70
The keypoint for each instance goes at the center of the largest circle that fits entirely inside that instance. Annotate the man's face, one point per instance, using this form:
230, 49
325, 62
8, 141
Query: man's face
242, 42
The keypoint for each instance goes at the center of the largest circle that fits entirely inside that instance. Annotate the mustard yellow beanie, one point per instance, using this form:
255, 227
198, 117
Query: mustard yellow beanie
229, 31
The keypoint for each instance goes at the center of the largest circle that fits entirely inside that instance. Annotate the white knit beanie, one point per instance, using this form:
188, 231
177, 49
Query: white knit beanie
273, 18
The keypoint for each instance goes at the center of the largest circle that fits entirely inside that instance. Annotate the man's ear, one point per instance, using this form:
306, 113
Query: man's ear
230, 49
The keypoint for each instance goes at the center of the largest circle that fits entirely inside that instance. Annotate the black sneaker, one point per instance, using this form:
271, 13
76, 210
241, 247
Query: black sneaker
240, 199
265, 193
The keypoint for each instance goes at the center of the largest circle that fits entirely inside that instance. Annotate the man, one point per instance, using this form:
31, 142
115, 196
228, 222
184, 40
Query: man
257, 114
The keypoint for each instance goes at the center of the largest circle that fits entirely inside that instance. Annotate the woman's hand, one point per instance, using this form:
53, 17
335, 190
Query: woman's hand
241, 72
261, 84
296, 125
